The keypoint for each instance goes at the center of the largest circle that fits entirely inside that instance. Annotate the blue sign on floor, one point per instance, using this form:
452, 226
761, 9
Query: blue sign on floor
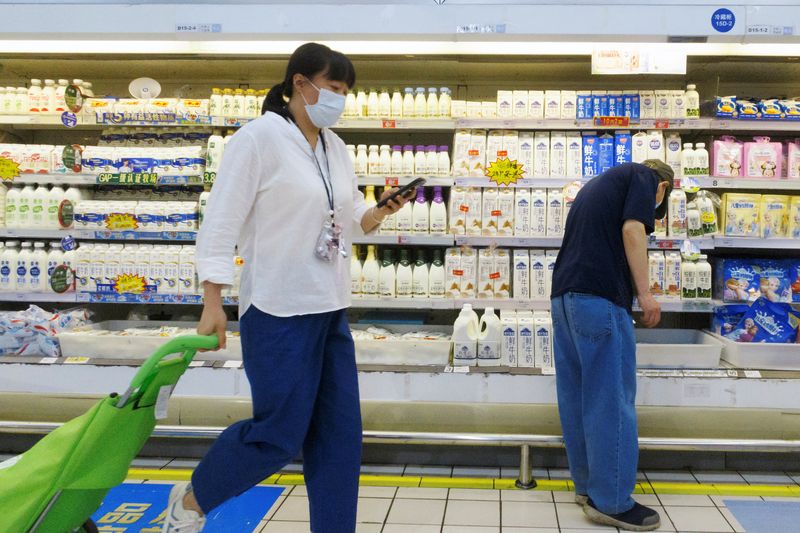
765, 517
132, 508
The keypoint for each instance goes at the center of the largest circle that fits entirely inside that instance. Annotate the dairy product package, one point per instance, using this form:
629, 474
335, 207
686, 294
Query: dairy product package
485, 273
458, 210
632, 104
525, 153
622, 148
672, 275
453, 272
510, 145
520, 104
469, 267
591, 155
639, 147
741, 213
522, 212
655, 145
569, 105
657, 272
558, 154
541, 155
488, 110
794, 218
763, 159
502, 274
461, 146
536, 104
550, 257
728, 156
793, 159
505, 106
552, 104
585, 108
526, 347
474, 109
739, 279
522, 275
555, 213
474, 217
648, 104
673, 148
538, 220
616, 104
543, 345
574, 155
774, 216
509, 348
791, 109
477, 153
605, 153
505, 209
494, 146
538, 266
664, 104
766, 321
599, 103
490, 212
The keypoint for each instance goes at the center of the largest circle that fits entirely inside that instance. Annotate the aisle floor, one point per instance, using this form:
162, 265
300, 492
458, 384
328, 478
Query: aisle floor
453, 507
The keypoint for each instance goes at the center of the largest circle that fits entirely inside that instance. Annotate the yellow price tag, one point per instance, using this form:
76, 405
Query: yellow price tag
76, 360
129, 284
121, 221
504, 172
8, 169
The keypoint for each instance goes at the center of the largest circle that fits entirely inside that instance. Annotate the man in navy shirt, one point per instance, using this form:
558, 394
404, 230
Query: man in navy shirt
602, 264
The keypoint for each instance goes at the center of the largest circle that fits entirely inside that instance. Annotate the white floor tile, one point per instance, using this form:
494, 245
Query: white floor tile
369, 528
417, 512
274, 508
403, 528
509, 472
700, 519
561, 496
719, 476
183, 463
488, 495
299, 490
373, 510
392, 470
476, 471
666, 523
767, 478
794, 499
529, 530
719, 501
737, 527
294, 509
428, 470
527, 514
472, 513
671, 475
649, 500
542, 496
471, 529
287, 527
420, 493
376, 492
685, 500
571, 516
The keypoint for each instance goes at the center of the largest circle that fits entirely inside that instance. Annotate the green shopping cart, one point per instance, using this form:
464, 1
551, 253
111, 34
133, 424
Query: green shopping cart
56, 486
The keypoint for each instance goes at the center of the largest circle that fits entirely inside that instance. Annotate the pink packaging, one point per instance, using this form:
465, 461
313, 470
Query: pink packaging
793, 159
762, 158
727, 154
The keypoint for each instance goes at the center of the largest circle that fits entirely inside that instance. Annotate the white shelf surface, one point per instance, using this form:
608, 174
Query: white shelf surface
100, 235
527, 183
755, 243
410, 240
91, 179
44, 297
390, 124
431, 181
403, 303
510, 242
775, 184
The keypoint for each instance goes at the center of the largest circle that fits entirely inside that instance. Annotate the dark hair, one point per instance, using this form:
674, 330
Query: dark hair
309, 60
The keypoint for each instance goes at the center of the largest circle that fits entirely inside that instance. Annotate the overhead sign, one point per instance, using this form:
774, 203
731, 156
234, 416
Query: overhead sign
723, 20
639, 59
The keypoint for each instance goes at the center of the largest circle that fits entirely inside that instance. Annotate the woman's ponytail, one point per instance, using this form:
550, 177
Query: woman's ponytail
275, 101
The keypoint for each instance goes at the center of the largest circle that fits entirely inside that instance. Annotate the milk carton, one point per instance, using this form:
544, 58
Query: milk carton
655, 145
632, 104
522, 275
488, 110
541, 155
605, 147
794, 217
458, 210
672, 275
490, 212
543, 345
453, 272
558, 154
520, 106
664, 104
522, 212
741, 213
510, 145
673, 149
536, 104
574, 155
585, 109
648, 104
474, 202
505, 208
555, 213
485, 274
616, 104
461, 146
477, 153
510, 328
599, 103
550, 266
569, 105
539, 213
763, 159
526, 153
552, 105
505, 106
657, 270
502, 274
623, 151
538, 262
494, 146
639, 147
526, 348
469, 267
591, 155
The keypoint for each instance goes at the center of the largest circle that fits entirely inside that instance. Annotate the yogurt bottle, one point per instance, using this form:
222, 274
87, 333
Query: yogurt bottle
37, 269
8, 266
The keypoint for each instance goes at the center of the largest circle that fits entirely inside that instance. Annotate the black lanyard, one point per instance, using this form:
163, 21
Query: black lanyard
326, 181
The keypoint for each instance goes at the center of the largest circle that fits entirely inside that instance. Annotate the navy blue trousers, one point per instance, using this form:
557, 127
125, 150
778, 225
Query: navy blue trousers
302, 374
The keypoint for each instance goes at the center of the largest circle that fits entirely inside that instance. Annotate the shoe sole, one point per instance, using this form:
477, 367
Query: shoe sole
600, 518
581, 500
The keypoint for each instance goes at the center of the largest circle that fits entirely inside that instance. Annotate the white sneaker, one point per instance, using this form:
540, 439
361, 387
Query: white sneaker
178, 519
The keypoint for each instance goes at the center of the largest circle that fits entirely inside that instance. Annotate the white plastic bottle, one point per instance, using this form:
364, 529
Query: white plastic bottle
8, 266
12, 207
385, 160
355, 273
362, 160
350, 110
370, 274
251, 107
24, 204
37, 269
39, 202
701, 160
421, 161
405, 276
692, 99
688, 160
35, 96
361, 104
396, 104
60, 102
704, 284
55, 196
6, 102
238, 103
490, 339
408, 102
677, 214
385, 103
72, 197
21, 275
438, 213
55, 257
420, 276
445, 103
420, 213
21, 103
405, 219
408, 160
420, 104
443, 161
214, 151
215, 102
373, 104
689, 280
48, 99
374, 161
227, 102
432, 107
432, 160
396, 167
436, 276
388, 276
465, 337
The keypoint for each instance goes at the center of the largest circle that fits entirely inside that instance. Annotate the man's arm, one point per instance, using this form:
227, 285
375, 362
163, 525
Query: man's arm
634, 239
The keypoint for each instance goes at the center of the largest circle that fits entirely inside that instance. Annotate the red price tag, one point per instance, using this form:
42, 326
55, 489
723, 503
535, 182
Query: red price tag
496, 213
612, 122
388, 124
464, 208
458, 272
661, 124
665, 245
494, 275
392, 182
474, 152
502, 153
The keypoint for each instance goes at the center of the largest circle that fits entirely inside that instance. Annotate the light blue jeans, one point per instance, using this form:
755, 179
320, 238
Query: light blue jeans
595, 355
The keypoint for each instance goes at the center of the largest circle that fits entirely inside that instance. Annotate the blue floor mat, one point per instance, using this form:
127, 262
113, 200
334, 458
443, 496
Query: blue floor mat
766, 517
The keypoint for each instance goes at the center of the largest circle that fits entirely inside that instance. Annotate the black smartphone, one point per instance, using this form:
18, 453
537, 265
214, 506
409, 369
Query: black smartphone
406, 191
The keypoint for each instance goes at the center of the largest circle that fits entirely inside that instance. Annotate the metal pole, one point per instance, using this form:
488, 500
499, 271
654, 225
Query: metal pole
525, 480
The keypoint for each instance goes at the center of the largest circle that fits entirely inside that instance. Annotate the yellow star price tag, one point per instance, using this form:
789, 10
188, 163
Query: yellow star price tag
504, 172
129, 284
8, 169
121, 221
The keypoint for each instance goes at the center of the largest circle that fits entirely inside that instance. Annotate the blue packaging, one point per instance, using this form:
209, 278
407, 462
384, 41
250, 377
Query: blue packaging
791, 109
623, 152
775, 282
766, 321
591, 155
632, 105
770, 110
604, 105
726, 106
740, 281
727, 317
616, 105
605, 152
746, 110
585, 109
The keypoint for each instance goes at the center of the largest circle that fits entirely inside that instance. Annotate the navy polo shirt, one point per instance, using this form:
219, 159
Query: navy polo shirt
592, 257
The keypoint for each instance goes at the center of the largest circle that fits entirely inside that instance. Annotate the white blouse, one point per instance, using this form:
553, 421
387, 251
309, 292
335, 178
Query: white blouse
269, 198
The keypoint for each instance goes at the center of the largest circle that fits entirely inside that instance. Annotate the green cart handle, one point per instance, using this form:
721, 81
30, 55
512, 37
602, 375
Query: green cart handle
186, 344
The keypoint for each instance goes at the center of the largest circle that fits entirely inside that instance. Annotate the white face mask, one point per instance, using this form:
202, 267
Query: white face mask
329, 107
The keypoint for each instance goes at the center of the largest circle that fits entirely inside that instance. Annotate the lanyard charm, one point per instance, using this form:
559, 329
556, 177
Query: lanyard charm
330, 242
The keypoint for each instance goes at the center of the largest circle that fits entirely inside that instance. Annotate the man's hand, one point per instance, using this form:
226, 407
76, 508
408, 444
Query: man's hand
651, 310
213, 320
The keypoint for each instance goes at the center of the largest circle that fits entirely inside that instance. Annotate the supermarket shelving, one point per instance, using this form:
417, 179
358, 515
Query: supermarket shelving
774, 184
755, 243
92, 179
410, 240
45, 297
510, 242
393, 181
543, 183
99, 235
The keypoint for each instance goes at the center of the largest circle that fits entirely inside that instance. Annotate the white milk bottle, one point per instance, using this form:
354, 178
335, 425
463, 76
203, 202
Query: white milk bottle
12, 207
443, 161
37, 269
703, 278
673, 148
490, 339
362, 161
25, 220
677, 214
465, 337
48, 98
385, 160
396, 167
215, 102
35, 96
350, 105
701, 159
420, 161
251, 107
373, 104
405, 219
655, 145
355, 273
408, 160
688, 161
436, 276
374, 161
8, 266
405, 276
38, 207
408, 102
387, 279
420, 213
420, 276
83, 267
445, 102
370, 274
396, 104
55, 196
692, 99
60, 102
21, 277
215, 148
385, 103
55, 257
72, 197
689, 280
420, 103
438, 213
361, 104
21, 103
432, 109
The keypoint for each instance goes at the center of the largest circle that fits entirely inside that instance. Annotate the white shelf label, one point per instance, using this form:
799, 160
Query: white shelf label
752, 374
198, 28
195, 364
232, 364
48, 360
548, 371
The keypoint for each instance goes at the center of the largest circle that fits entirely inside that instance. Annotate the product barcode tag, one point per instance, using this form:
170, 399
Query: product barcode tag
232, 364
752, 374
48, 360
162, 402
461, 370
548, 371
195, 364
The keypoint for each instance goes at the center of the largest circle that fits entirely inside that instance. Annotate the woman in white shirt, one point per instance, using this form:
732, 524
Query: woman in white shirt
287, 195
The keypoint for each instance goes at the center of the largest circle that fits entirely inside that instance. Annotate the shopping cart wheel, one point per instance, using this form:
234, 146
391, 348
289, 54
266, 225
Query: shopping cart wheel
89, 527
